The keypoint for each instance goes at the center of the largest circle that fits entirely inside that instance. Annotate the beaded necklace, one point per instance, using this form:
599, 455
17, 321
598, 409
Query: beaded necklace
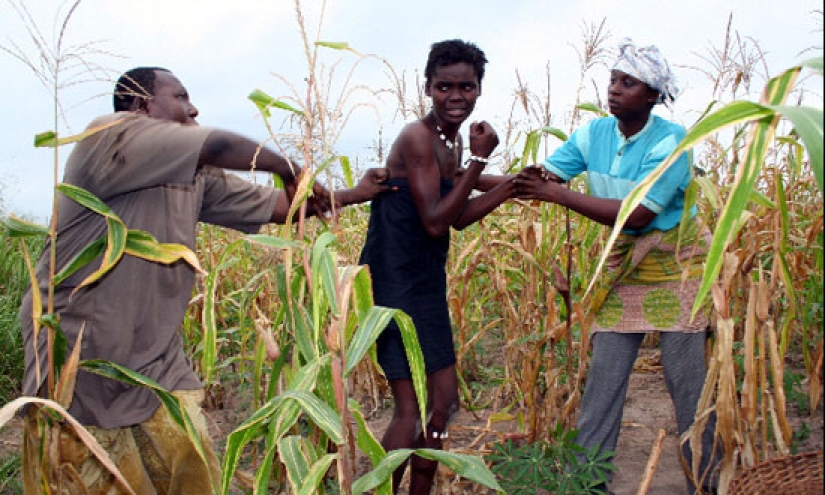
449, 144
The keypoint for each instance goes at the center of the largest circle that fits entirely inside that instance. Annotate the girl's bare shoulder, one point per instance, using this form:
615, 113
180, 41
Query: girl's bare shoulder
414, 130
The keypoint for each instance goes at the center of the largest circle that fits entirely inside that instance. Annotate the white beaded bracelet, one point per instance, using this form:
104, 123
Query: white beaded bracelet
483, 161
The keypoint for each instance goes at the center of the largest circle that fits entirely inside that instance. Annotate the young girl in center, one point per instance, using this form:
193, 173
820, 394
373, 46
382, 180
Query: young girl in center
409, 237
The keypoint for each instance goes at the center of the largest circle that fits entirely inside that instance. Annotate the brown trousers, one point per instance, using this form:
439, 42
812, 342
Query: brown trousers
156, 457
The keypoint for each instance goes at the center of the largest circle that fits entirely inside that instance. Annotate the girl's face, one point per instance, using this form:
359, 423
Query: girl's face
454, 90
629, 98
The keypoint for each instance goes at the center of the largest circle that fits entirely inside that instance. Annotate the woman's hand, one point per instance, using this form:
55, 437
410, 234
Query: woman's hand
537, 183
538, 171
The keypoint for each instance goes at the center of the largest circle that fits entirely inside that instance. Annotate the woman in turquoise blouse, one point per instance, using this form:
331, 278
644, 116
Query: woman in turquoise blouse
654, 269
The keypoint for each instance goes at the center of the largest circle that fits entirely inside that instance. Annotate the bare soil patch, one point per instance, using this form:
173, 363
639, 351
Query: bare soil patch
648, 409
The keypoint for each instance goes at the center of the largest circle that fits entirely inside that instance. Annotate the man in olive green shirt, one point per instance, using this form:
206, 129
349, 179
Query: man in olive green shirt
161, 173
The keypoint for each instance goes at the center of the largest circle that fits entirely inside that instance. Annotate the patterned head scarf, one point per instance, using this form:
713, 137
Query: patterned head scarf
647, 64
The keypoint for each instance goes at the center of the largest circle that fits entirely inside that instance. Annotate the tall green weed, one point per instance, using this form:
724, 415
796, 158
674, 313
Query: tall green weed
13, 282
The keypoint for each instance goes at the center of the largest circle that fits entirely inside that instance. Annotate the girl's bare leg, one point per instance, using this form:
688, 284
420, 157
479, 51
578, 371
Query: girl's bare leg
401, 432
442, 391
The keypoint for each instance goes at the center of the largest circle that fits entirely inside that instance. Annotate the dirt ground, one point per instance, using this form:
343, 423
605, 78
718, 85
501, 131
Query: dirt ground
647, 411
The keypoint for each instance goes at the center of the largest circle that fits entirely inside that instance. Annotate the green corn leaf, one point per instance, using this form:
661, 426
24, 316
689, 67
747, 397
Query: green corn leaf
529, 153
707, 110
348, 274
736, 112
760, 136
130, 377
590, 107
416, 359
691, 197
322, 415
362, 292
283, 413
364, 438
555, 131
49, 139
286, 416
60, 344
467, 466
242, 435
172, 404
210, 328
81, 259
278, 366
325, 389
46, 139
264, 473
293, 454
337, 45
324, 166
264, 102
317, 473
369, 328
323, 275
710, 192
383, 471
116, 235
141, 244
808, 122
115, 242
815, 63
274, 419
273, 242
305, 337
115, 247
759, 198
785, 269
87, 199
346, 168
17, 227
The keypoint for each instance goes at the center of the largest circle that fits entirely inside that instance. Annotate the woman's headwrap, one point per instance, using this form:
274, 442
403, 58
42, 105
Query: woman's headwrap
647, 64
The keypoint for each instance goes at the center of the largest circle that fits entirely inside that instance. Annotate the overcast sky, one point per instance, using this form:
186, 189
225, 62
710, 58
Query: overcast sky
222, 50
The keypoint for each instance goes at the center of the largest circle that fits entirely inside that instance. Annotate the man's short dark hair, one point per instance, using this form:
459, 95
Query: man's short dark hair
451, 52
137, 83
